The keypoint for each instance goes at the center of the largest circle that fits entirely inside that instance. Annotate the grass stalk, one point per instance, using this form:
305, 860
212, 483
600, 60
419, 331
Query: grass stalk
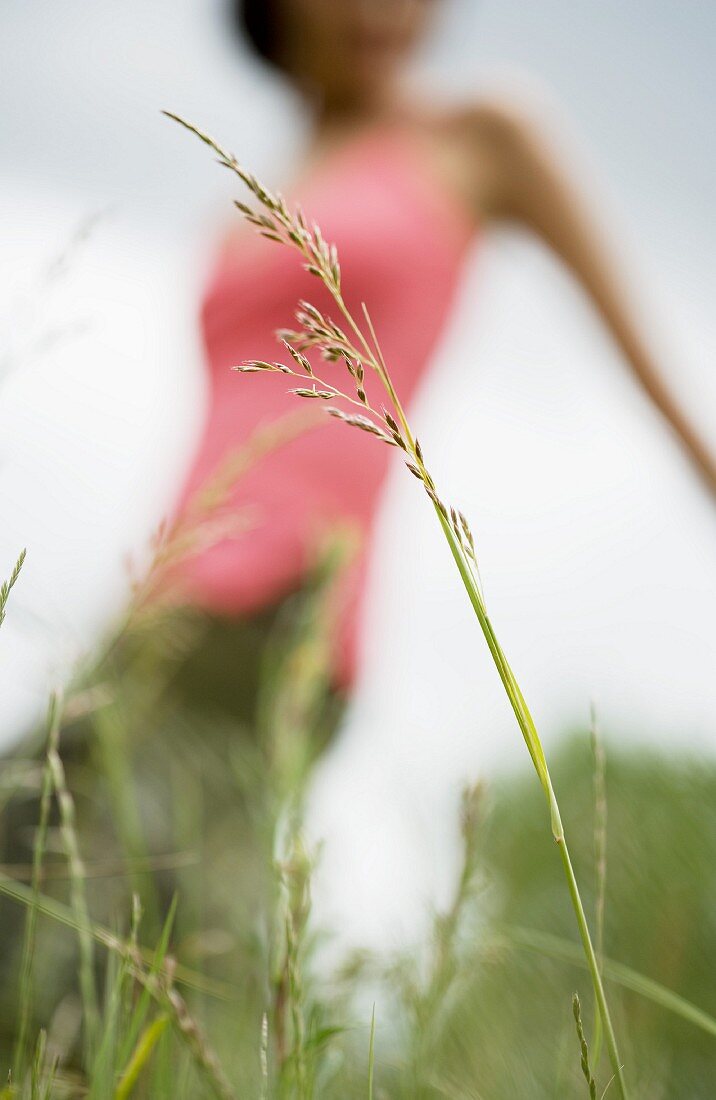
31, 915
294, 871
600, 860
43, 1075
78, 900
295, 998
428, 1000
371, 1055
264, 1057
111, 747
316, 331
534, 746
593, 968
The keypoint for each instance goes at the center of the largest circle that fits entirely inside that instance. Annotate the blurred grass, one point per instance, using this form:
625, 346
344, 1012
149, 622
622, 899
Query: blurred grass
660, 918
501, 1024
178, 794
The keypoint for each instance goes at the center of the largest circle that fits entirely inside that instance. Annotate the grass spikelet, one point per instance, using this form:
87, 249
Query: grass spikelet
7, 585
298, 357
583, 1048
324, 395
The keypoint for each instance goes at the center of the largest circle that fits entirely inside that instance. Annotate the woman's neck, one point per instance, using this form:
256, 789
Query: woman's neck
333, 118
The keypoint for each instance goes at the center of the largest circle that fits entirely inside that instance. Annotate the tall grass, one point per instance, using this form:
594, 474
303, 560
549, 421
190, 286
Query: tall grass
26, 975
90, 1007
358, 349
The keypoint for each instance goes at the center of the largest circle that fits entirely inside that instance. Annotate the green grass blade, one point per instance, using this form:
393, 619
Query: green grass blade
141, 1055
28, 950
78, 898
371, 1055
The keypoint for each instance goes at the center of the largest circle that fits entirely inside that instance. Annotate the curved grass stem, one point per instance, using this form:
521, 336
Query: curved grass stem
321, 259
593, 966
531, 737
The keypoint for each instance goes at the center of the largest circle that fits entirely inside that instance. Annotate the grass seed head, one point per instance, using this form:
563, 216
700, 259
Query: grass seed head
364, 423
298, 357
583, 1048
260, 366
325, 395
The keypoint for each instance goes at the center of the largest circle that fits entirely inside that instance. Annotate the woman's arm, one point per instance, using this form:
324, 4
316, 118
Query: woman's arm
522, 179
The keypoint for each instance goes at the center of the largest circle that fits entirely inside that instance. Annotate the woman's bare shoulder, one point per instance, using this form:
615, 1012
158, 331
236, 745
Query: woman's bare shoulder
493, 138
502, 116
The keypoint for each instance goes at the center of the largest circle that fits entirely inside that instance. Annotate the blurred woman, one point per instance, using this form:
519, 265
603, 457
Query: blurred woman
403, 188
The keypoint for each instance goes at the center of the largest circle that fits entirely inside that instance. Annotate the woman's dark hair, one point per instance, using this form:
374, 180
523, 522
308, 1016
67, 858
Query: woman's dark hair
257, 22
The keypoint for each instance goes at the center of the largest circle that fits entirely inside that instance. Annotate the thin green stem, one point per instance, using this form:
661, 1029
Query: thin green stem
534, 746
593, 968
28, 950
295, 993
112, 753
518, 703
78, 901
371, 1056
514, 694
322, 261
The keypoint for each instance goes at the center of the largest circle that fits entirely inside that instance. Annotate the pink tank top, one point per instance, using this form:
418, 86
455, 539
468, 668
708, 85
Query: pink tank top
401, 240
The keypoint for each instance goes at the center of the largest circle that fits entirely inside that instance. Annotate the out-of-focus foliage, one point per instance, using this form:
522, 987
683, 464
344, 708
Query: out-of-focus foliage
174, 797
